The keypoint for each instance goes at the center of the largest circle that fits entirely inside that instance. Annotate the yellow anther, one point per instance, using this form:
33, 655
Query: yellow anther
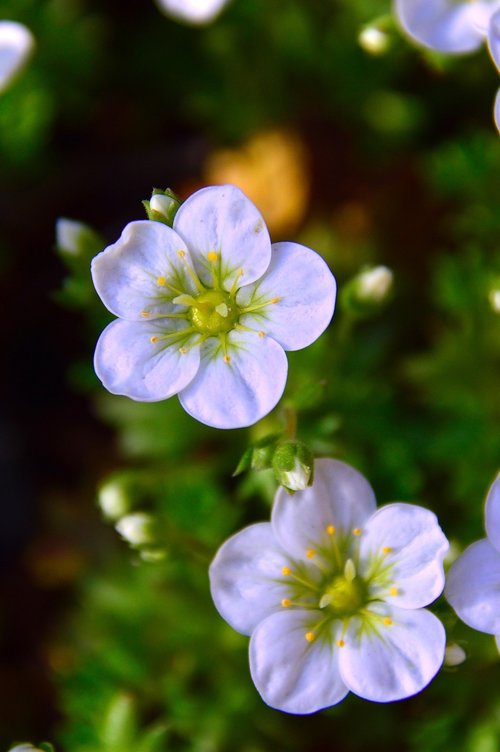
393, 591
162, 281
340, 643
262, 334
357, 531
387, 621
227, 358
145, 314
153, 339
310, 553
183, 350
309, 636
286, 571
331, 529
212, 256
286, 602
181, 253
275, 300
387, 550
240, 272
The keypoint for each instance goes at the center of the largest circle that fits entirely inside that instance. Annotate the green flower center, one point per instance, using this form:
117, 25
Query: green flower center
214, 312
344, 596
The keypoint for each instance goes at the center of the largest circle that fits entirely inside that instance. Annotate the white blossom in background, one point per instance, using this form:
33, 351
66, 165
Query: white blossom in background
192, 11
207, 309
473, 582
16, 45
454, 27
332, 591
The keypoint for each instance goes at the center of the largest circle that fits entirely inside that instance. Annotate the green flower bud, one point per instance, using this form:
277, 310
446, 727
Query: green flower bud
293, 465
368, 290
138, 529
374, 40
76, 239
494, 298
114, 499
162, 206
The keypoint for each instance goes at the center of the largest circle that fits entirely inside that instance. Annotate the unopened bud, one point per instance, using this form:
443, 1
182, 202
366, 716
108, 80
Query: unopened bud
374, 284
114, 499
293, 465
77, 239
374, 40
138, 529
45, 747
494, 298
162, 206
454, 655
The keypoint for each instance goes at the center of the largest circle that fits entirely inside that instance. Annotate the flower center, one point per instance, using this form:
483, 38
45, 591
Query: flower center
214, 312
346, 594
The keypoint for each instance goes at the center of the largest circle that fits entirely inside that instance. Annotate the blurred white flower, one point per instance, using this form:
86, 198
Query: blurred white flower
332, 593
16, 45
192, 11
473, 582
454, 27
207, 309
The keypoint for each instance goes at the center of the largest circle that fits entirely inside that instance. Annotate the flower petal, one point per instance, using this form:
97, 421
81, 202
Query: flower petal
407, 538
16, 44
237, 389
473, 587
129, 363
290, 673
244, 577
385, 662
305, 288
222, 224
496, 110
492, 514
134, 275
494, 38
192, 11
442, 24
497, 640
340, 496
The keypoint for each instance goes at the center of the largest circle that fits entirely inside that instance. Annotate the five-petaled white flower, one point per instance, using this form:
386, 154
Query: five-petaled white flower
455, 27
473, 582
192, 11
16, 44
332, 593
207, 308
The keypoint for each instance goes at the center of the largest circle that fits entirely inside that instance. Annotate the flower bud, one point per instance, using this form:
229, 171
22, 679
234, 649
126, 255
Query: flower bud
113, 499
454, 655
494, 298
293, 465
74, 238
162, 206
374, 40
368, 290
138, 529
45, 747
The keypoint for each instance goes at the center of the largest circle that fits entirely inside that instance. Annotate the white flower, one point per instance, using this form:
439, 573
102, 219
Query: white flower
192, 11
473, 582
16, 44
332, 593
208, 308
373, 285
455, 27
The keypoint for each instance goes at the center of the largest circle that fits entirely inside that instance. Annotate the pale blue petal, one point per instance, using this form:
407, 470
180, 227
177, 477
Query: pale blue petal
496, 110
473, 587
392, 661
245, 577
492, 514
128, 363
290, 673
132, 275
238, 392
494, 38
16, 44
222, 220
417, 549
304, 290
443, 25
340, 496
497, 640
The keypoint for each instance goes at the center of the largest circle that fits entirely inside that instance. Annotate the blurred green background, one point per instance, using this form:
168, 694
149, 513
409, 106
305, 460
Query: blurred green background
387, 158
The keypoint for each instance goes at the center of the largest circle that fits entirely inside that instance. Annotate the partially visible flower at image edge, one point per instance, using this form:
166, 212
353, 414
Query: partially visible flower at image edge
192, 11
207, 309
454, 27
473, 582
331, 592
16, 45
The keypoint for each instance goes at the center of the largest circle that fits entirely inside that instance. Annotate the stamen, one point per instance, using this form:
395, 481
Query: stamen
309, 636
261, 334
182, 254
183, 350
161, 281
357, 531
331, 529
235, 284
310, 553
191, 272
286, 602
276, 300
145, 314
349, 570
340, 643
387, 621
387, 550
286, 571
227, 358
393, 591
212, 256
153, 339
